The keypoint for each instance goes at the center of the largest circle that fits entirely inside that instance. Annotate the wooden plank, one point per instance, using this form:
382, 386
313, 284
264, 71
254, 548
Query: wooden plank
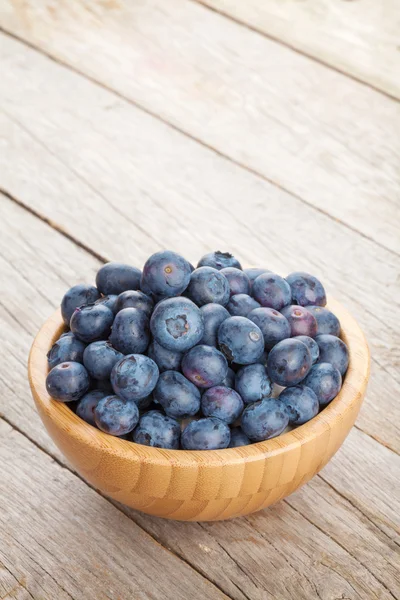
241, 567
66, 542
64, 155
357, 38
327, 139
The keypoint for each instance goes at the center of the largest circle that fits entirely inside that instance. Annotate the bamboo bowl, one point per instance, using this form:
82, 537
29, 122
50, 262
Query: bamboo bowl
208, 485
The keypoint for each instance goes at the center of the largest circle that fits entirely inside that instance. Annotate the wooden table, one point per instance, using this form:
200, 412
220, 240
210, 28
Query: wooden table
271, 129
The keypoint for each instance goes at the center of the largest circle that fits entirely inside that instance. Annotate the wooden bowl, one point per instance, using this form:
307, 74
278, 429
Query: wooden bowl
209, 485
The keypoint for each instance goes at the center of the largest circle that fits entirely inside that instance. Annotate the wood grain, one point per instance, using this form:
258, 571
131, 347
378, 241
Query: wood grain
32, 244
194, 203
356, 38
323, 137
103, 554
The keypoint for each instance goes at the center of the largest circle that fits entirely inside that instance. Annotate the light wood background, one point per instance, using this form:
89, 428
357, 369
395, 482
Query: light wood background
271, 129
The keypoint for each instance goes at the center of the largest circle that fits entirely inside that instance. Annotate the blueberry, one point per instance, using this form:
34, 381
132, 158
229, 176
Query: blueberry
306, 289
264, 419
332, 350
223, 403
311, 345
67, 381
240, 305
262, 360
66, 334
177, 324
219, 260
143, 404
134, 377
252, 383
205, 366
178, 396
206, 434
213, 316
78, 295
92, 322
240, 340
271, 290
253, 273
115, 415
99, 359
208, 285
87, 404
238, 438
274, 326
115, 277
289, 362
301, 404
229, 379
166, 274
157, 430
166, 360
109, 301
238, 281
130, 331
135, 299
301, 321
66, 349
327, 322
325, 381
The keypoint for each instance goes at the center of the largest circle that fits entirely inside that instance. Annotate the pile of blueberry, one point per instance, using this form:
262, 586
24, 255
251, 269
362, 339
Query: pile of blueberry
178, 357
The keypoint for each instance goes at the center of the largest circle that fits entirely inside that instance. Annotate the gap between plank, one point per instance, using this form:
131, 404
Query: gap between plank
182, 131
281, 42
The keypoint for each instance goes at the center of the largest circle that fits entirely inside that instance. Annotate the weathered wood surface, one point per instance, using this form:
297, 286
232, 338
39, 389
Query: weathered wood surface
124, 184
357, 38
338, 548
325, 138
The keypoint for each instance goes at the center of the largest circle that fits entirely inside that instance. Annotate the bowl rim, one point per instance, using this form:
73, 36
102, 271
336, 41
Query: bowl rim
349, 397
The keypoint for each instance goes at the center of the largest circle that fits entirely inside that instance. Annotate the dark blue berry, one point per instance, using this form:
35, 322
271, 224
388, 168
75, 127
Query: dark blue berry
264, 419
241, 305
238, 281
87, 404
252, 383
67, 381
240, 340
327, 322
177, 324
205, 366
130, 332
99, 359
301, 404
135, 299
66, 349
325, 381
134, 377
289, 362
213, 316
109, 301
92, 322
78, 295
301, 321
178, 396
157, 430
271, 291
311, 345
115, 415
208, 285
274, 326
115, 277
223, 403
166, 360
306, 289
253, 273
219, 260
334, 351
229, 379
206, 434
238, 438
166, 274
